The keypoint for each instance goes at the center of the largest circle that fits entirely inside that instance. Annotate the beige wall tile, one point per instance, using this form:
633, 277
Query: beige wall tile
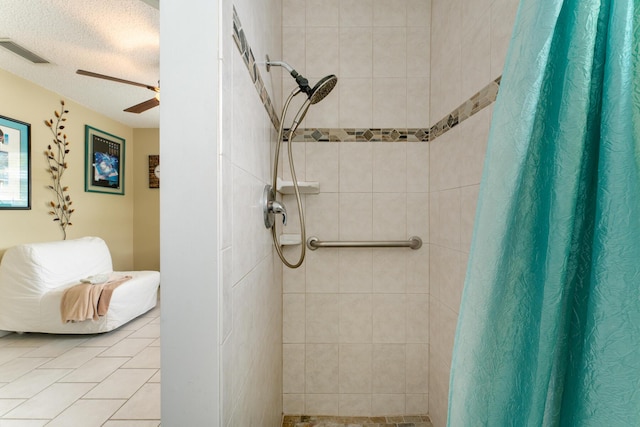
468, 202
298, 150
293, 52
418, 215
389, 168
356, 167
322, 271
389, 368
503, 13
449, 218
293, 13
321, 367
476, 56
418, 47
417, 369
418, 13
322, 165
293, 279
390, 216
293, 403
355, 405
322, 50
355, 368
417, 320
473, 145
322, 13
356, 216
441, 331
474, 13
322, 215
438, 393
321, 404
390, 52
389, 13
390, 102
322, 318
417, 102
389, 323
355, 321
435, 236
444, 155
356, 100
356, 52
293, 318
418, 270
390, 270
356, 270
356, 13
417, 167
293, 357
417, 404
386, 404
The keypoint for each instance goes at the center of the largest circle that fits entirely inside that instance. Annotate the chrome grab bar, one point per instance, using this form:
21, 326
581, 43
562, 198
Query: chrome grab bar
414, 242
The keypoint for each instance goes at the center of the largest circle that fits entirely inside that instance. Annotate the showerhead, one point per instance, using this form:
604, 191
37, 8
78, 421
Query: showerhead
322, 88
315, 94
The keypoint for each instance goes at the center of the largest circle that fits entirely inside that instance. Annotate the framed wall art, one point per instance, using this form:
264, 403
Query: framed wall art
15, 164
104, 162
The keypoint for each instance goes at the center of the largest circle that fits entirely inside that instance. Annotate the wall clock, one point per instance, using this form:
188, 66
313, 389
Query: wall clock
154, 171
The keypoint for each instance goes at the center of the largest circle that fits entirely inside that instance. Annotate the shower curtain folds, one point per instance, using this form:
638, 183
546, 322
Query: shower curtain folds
549, 326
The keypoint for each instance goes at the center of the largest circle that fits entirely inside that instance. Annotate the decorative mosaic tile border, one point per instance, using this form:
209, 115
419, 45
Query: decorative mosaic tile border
250, 61
359, 135
477, 102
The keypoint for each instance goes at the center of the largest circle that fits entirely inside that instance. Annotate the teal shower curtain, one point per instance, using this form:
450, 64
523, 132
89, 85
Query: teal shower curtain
549, 326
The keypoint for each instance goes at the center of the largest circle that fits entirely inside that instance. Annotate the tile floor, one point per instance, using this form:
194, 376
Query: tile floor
326, 421
104, 380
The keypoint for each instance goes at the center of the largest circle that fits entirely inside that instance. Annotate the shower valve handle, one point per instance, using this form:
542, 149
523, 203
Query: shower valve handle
278, 208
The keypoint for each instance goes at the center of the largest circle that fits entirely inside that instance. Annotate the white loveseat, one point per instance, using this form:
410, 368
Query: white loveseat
34, 276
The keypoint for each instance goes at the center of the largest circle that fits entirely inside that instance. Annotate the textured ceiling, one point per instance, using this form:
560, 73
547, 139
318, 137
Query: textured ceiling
119, 38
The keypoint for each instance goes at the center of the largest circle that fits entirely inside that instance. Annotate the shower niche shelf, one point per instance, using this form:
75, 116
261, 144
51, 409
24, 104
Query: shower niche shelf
305, 187
290, 239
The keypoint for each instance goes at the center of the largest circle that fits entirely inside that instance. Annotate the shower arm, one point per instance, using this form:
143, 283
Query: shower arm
302, 82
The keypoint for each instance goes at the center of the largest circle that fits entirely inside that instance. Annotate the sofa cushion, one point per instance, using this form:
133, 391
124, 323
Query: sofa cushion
35, 268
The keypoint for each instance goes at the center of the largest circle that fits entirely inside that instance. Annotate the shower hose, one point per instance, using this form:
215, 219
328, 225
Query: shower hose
296, 121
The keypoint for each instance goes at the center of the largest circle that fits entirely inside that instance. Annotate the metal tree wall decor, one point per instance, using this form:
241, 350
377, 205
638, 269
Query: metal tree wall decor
60, 207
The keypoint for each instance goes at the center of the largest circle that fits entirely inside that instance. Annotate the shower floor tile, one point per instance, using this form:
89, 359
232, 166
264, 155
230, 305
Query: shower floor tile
328, 421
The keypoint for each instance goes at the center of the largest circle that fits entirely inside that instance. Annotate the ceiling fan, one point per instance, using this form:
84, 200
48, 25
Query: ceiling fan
138, 108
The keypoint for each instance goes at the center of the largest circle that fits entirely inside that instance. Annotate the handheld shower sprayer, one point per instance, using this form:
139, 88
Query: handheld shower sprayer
314, 94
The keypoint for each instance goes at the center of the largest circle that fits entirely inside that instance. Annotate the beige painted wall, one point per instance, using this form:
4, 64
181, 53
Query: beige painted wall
108, 216
146, 218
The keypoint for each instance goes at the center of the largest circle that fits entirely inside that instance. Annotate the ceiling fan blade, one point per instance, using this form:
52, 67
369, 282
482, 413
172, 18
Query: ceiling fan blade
143, 106
116, 79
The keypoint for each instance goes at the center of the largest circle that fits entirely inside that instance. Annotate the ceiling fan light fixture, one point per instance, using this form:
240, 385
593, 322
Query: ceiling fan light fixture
21, 51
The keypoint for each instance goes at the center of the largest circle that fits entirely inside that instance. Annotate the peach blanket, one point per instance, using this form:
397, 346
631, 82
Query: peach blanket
88, 301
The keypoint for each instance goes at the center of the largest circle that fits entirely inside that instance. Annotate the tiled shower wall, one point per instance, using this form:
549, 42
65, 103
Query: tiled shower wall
356, 321
469, 44
250, 297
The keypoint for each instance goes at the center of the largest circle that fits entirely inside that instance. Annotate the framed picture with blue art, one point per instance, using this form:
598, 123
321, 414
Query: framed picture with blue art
15, 164
104, 162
